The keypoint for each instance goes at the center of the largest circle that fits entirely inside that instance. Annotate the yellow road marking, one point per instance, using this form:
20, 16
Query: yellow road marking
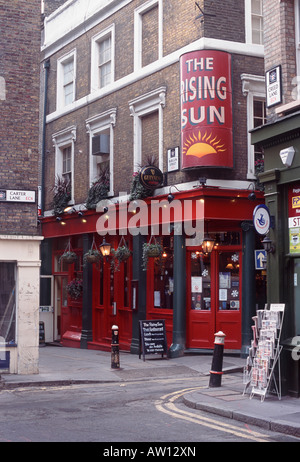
170, 409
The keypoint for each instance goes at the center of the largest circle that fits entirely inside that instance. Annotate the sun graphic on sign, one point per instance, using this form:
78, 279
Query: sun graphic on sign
200, 146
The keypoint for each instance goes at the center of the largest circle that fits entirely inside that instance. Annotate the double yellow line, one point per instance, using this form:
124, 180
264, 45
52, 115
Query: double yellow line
167, 406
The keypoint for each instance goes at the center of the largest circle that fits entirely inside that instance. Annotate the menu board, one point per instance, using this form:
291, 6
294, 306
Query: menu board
153, 337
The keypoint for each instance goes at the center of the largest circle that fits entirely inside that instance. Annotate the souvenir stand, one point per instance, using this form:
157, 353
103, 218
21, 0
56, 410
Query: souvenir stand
264, 352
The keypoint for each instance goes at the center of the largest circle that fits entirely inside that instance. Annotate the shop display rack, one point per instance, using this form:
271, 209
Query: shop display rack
264, 353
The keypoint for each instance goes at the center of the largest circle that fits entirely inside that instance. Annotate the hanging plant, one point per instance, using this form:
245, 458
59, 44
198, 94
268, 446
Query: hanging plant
93, 255
99, 189
121, 254
152, 249
137, 190
75, 288
61, 194
69, 256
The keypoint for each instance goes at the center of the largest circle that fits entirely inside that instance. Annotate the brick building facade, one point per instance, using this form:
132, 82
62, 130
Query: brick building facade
113, 73
19, 152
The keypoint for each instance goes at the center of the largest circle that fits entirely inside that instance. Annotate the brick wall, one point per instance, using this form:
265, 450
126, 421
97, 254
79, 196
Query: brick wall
19, 112
279, 39
179, 28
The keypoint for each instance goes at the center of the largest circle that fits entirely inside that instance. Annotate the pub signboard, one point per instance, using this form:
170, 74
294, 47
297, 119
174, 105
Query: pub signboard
206, 109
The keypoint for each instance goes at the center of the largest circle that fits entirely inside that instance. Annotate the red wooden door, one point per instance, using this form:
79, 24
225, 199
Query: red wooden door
213, 297
111, 303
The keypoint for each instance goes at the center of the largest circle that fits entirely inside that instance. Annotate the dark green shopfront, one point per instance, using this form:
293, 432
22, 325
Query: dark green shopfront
280, 141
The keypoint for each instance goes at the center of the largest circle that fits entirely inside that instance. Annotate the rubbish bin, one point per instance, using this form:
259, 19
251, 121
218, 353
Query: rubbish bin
291, 366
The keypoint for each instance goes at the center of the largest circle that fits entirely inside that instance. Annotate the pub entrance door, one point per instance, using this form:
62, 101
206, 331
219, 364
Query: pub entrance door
214, 297
111, 304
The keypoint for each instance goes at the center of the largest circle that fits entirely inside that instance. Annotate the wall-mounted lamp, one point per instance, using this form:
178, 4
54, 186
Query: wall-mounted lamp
268, 245
105, 248
208, 244
170, 197
70, 209
81, 214
202, 181
252, 195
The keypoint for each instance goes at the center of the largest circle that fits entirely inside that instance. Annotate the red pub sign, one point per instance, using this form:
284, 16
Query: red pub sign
206, 109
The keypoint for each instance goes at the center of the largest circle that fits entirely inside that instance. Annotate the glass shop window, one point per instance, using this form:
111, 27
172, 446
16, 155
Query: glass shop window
229, 281
200, 281
7, 302
163, 276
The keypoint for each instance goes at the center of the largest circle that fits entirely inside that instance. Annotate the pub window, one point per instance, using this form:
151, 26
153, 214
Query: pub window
259, 118
102, 59
254, 89
163, 276
64, 156
7, 302
67, 163
101, 135
257, 22
66, 80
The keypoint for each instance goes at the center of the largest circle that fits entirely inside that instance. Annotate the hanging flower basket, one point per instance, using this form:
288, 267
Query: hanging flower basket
93, 255
75, 288
152, 249
68, 256
121, 254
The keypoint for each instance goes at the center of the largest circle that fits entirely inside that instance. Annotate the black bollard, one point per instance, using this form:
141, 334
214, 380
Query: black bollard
115, 356
217, 361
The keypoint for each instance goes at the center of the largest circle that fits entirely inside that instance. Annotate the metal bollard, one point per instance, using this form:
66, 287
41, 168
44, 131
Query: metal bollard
115, 356
217, 361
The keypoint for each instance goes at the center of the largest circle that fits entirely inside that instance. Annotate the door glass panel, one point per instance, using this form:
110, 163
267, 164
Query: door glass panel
163, 276
200, 281
229, 281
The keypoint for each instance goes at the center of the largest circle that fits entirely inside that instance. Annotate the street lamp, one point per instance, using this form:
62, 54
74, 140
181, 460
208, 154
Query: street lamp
105, 248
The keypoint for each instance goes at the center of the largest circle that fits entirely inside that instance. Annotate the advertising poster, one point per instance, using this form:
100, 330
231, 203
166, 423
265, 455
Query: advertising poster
294, 218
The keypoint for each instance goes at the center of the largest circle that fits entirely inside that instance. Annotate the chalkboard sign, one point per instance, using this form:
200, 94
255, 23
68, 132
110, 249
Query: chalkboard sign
153, 337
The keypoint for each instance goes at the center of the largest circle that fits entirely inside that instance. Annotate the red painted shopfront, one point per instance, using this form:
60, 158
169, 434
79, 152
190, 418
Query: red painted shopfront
212, 283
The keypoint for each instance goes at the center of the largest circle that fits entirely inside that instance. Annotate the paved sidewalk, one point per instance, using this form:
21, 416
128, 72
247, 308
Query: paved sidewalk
59, 365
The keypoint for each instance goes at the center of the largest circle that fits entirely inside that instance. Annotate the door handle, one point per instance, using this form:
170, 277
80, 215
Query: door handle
114, 308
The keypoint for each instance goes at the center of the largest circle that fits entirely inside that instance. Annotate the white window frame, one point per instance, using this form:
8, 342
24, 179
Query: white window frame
95, 125
248, 23
61, 140
96, 40
60, 96
138, 30
139, 107
253, 87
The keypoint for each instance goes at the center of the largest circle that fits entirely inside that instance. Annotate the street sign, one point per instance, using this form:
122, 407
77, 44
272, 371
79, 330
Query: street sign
261, 219
260, 258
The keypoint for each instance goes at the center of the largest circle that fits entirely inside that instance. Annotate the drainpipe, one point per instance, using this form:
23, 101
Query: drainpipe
47, 69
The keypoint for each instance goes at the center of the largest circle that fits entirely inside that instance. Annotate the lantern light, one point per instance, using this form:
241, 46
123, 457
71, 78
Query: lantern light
105, 248
208, 244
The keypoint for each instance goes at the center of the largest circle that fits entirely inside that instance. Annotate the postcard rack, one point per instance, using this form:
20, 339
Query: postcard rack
264, 353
